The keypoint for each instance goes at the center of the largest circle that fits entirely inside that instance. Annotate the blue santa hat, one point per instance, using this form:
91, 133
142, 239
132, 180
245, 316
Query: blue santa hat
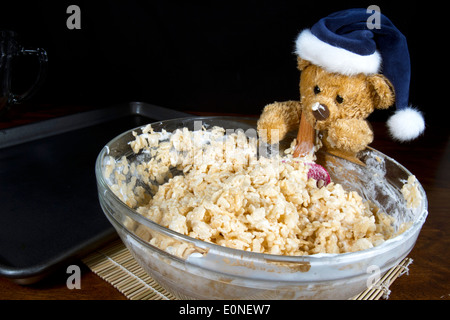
343, 43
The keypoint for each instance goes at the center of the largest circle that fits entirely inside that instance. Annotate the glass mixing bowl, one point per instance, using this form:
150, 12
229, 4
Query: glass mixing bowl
204, 270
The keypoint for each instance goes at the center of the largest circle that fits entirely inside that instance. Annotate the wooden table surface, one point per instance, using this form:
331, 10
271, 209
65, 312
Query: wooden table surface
428, 158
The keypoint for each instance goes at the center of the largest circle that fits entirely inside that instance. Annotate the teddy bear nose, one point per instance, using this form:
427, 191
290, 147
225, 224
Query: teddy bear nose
320, 111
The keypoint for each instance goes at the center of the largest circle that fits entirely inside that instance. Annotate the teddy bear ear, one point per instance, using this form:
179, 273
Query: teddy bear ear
302, 63
384, 94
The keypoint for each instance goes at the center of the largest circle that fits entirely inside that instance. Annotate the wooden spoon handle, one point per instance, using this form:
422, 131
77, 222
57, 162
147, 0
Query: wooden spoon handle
305, 138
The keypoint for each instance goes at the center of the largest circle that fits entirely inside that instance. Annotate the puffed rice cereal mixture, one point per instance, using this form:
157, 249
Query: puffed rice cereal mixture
212, 185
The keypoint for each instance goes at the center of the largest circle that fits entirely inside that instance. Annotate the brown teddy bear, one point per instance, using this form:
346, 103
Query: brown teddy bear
341, 84
335, 105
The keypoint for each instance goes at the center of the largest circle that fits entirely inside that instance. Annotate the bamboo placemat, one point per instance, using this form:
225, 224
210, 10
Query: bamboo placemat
115, 264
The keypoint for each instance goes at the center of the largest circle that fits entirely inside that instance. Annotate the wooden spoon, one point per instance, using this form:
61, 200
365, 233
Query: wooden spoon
305, 145
305, 138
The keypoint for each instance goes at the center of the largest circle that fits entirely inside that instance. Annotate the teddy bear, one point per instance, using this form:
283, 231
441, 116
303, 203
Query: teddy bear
335, 105
340, 59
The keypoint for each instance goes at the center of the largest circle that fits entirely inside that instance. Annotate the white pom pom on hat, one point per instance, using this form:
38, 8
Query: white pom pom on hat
406, 124
343, 43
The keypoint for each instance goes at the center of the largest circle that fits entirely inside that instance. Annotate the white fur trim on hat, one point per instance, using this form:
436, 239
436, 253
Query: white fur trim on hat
406, 124
334, 59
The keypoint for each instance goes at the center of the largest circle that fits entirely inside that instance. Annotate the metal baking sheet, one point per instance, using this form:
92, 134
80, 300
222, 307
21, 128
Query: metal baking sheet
49, 211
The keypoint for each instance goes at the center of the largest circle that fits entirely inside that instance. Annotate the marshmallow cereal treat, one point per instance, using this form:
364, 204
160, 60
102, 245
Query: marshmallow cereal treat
216, 186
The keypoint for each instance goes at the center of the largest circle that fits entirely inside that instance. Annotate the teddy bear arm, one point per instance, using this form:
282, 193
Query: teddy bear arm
277, 119
351, 135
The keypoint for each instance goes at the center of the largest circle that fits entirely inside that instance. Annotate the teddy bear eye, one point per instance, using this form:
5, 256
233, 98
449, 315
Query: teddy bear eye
316, 90
339, 99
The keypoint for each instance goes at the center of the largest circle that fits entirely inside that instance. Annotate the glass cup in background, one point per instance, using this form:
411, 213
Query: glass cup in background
10, 48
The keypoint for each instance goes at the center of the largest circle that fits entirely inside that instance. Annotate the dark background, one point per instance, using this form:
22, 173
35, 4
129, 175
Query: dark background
216, 56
